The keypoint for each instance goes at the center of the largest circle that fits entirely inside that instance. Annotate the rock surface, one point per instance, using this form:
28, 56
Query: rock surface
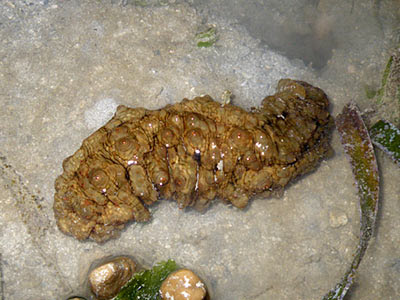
66, 65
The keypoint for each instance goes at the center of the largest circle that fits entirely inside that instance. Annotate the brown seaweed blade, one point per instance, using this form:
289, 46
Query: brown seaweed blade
358, 147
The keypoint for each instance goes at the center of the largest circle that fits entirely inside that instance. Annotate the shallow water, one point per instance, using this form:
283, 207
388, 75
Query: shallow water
66, 65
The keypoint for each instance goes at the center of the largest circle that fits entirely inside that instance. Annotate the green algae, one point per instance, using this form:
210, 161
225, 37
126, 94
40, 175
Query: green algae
370, 93
206, 38
384, 82
358, 147
145, 285
387, 97
386, 136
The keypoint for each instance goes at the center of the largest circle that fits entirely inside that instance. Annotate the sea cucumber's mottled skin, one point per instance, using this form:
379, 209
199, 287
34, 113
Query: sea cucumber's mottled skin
191, 152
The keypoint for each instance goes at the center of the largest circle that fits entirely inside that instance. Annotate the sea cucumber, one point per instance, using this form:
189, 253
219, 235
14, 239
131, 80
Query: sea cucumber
191, 152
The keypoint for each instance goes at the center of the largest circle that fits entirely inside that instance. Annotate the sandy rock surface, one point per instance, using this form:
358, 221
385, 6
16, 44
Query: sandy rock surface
66, 65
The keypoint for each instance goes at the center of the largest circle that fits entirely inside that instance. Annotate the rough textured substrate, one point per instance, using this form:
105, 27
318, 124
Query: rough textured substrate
65, 67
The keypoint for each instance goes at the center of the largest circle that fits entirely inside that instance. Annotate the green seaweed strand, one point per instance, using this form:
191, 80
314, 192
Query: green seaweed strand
145, 285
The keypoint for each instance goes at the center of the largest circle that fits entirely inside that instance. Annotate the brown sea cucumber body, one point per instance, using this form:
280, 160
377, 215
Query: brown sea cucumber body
191, 152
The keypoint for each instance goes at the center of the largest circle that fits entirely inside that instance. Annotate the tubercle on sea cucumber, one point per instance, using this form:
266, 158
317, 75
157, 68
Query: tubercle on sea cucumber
191, 152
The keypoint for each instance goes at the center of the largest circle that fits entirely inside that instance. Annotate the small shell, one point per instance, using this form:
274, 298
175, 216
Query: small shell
107, 279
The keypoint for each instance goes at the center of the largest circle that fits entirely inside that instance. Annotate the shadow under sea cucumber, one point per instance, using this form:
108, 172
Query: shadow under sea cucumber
191, 152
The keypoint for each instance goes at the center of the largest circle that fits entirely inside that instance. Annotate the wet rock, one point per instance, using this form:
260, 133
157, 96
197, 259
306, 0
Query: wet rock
337, 218
183, 285
107, 279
